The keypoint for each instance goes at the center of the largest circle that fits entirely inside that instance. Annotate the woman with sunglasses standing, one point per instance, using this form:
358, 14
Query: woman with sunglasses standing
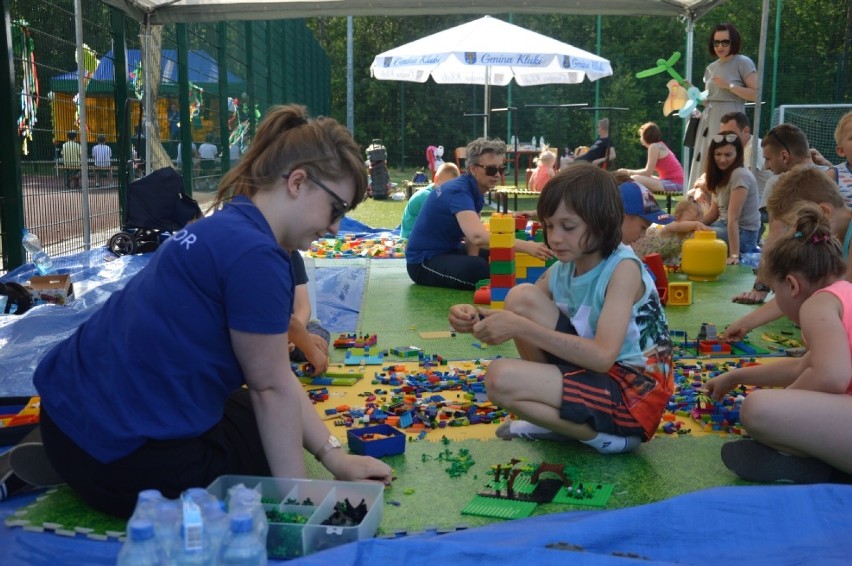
734, 211
448, 246
731, 81
148, 392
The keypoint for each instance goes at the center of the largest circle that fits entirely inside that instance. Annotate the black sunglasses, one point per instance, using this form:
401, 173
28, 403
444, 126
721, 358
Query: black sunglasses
492, 170
721, 42
730, 138
775, 135
339, 207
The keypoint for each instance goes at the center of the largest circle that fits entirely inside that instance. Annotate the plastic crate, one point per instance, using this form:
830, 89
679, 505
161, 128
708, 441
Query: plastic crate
289, 540
393, 443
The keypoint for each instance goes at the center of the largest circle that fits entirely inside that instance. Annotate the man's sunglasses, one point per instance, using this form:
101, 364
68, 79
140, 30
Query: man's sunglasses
339, 207
775, 135
721, 43
730, 138
492, 170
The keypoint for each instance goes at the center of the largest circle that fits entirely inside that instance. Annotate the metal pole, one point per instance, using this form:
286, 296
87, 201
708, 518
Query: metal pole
350, 74
775, 52
761, 60
598, 83
690, 38
149, 77
84, 142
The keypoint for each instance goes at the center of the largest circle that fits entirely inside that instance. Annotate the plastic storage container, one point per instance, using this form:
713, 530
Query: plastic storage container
313, 501
391, 441
703, 256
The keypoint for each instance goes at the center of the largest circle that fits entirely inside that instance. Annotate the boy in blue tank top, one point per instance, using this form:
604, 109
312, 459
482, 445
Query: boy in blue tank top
595, 351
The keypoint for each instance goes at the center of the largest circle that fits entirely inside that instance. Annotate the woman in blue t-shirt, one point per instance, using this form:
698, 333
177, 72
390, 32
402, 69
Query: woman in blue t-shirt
148, 393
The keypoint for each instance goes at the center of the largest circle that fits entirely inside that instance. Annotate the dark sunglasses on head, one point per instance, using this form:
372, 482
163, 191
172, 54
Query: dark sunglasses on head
721, 42
492, 170
775, 135
730, 138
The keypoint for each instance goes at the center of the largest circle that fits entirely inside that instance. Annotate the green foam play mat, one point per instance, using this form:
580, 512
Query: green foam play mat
426, 496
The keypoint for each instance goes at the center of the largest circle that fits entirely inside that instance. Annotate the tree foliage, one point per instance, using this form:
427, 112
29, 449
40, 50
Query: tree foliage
813, 63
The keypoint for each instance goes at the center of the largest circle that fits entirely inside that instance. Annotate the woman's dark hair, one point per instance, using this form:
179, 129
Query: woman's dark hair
288, 139
715, 177
809, 248
650, 133
733, 33
592, 194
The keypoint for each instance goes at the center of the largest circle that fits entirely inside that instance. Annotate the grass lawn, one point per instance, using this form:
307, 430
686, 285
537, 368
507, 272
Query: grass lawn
387, 213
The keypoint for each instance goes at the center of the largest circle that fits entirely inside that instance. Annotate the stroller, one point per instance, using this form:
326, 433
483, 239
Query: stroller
156, 207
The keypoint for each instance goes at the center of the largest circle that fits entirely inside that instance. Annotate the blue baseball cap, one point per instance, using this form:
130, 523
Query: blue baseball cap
639, 201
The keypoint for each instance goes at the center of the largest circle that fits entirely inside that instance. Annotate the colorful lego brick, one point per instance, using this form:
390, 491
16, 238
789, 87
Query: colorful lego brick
499, 294
527, 260
406, 351
498, 305
502, 254
502, 268
502, 224
503, 281
501, 240
680, 293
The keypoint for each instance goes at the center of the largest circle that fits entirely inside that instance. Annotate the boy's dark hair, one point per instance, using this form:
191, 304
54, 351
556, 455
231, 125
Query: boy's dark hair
592, 194
789, 138
733, 33
809, 248
715, 177
72, 135
650, 133
739, 117
101, 138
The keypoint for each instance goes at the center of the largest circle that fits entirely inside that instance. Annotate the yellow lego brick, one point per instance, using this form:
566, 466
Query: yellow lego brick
501, 240
498, 305
502, 223
526, 260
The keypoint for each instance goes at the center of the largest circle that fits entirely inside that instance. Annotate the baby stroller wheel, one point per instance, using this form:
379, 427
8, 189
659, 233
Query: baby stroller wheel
122, 244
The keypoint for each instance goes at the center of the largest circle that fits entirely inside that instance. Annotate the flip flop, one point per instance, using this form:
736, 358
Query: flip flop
756, 462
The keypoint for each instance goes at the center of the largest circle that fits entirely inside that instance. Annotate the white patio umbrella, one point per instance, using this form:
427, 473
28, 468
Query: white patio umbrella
489, 52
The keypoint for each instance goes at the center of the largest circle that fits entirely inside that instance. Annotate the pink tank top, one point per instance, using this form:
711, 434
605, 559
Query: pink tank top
843, 291
669, 167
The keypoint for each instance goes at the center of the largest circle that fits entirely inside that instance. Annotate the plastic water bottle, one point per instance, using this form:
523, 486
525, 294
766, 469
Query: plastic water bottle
146, 505
141, 548
241, 499
32, 244
167, 526
243, 547
216, 525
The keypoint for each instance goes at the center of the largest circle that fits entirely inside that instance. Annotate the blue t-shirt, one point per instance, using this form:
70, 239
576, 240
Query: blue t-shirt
437, 229
155, 362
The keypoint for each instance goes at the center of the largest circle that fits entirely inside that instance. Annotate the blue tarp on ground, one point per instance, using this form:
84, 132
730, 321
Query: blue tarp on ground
761, 525
96, 274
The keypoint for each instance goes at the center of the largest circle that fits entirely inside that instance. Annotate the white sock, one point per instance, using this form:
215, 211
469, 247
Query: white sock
612, 444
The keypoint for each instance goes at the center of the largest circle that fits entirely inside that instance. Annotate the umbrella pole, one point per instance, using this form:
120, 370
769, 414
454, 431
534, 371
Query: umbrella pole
486, 112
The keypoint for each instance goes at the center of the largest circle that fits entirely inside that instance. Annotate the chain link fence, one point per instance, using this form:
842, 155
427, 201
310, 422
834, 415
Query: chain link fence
211, 84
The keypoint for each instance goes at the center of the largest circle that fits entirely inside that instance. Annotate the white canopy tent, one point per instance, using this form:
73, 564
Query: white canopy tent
155, 12
172, 11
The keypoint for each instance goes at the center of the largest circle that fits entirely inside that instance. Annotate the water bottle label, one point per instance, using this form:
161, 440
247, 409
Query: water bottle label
193, 526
